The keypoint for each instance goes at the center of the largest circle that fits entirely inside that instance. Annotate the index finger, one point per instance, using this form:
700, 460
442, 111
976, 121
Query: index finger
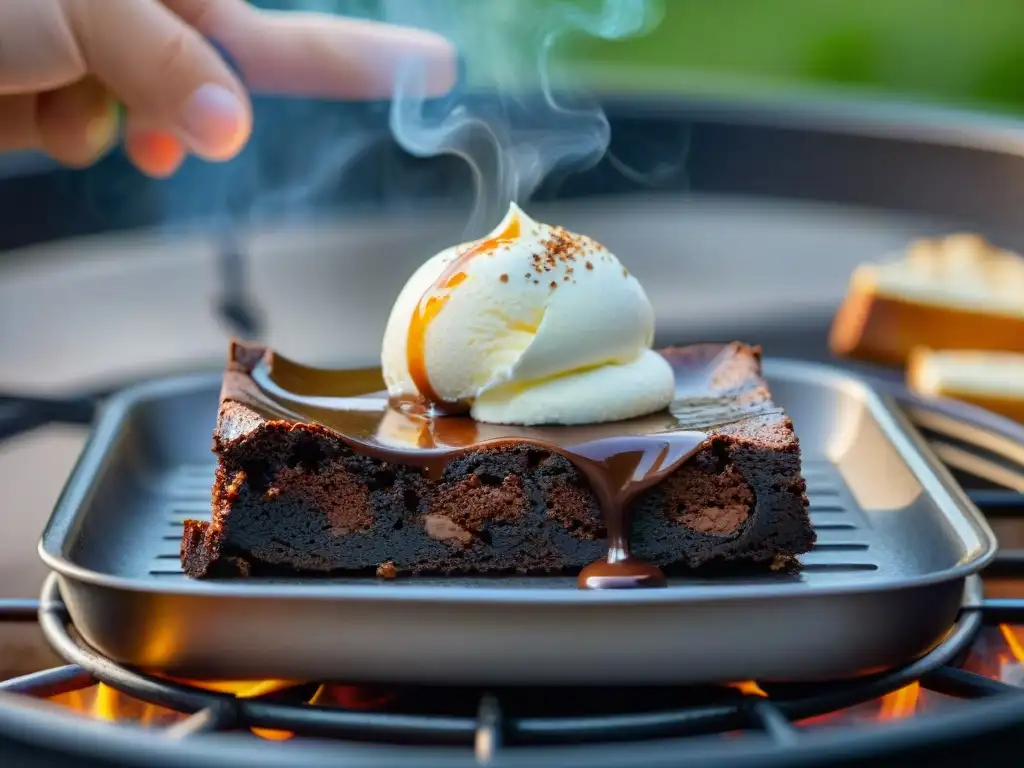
319, 55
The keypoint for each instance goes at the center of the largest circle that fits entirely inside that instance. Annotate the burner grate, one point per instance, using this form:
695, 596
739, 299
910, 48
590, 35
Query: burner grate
497, 728
493, 728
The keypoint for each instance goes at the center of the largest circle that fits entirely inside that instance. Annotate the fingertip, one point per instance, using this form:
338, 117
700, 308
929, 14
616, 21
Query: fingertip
157, 154
215, 123
77, 124
165, 71
400, 50
446, 68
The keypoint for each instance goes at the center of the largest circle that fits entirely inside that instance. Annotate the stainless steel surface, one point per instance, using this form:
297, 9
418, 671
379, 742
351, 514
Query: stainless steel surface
94, 311
896, 541
970, 439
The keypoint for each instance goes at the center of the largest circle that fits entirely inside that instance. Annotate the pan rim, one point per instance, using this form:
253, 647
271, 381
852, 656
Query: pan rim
926, 467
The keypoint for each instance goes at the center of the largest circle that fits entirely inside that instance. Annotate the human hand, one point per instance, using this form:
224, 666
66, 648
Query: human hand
66, 64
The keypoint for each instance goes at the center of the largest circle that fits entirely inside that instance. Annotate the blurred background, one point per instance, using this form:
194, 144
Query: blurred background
100, 286
962, 54
927, 52
955, 53
966, 54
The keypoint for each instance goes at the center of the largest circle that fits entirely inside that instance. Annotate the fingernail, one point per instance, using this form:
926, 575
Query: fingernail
101, 130
214, 121
157, 153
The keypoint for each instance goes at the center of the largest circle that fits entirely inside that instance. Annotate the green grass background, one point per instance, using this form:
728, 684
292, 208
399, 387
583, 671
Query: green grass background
958, 52
953, 52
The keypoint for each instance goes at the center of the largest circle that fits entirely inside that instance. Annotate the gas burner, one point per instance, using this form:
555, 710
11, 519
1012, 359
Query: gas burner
504, 718
981, 657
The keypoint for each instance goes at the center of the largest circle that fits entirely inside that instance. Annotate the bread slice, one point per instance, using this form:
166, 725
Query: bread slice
991, 380
954, 293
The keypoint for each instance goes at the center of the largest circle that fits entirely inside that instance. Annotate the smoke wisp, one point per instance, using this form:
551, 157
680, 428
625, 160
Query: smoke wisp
510, 121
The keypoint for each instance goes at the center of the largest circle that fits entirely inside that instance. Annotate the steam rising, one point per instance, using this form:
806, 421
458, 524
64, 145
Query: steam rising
507, 119
512, 141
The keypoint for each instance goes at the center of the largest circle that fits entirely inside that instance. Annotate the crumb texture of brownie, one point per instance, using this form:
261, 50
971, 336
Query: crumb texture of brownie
293, 498
729, 502
349, 514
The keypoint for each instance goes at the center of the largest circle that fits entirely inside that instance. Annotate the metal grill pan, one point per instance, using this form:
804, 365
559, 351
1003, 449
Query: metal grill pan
897, 540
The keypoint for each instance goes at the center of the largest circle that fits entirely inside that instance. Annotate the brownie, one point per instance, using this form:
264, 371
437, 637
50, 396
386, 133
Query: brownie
293, 495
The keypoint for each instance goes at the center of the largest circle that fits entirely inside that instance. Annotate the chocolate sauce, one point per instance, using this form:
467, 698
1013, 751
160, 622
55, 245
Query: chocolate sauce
619, 459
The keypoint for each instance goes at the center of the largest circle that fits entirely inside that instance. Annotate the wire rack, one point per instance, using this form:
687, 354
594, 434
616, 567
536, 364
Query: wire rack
498, 728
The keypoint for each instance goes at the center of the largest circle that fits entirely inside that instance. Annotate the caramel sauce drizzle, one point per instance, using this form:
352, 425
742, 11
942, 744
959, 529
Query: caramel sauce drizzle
430, 306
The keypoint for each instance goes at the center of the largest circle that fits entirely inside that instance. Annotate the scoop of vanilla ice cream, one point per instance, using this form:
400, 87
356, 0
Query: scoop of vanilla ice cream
536, 325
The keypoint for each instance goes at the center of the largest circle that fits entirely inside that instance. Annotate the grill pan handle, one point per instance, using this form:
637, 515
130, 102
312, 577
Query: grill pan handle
967, 437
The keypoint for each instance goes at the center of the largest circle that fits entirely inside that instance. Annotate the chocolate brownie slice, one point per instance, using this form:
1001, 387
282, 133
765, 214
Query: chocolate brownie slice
294, 496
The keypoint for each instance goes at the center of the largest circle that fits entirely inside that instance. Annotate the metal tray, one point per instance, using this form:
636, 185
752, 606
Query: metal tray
897, 539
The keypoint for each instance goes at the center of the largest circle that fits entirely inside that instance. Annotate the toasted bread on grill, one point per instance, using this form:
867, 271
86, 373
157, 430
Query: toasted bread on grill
955, 293
992, 380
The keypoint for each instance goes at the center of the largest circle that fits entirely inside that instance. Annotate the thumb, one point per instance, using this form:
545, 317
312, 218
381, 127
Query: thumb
164, 72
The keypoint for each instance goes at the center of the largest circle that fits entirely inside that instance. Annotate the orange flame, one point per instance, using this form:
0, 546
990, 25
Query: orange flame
248, 690
1013, 642
901, 703
749, 688
896, 705
893, 706
103, 702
